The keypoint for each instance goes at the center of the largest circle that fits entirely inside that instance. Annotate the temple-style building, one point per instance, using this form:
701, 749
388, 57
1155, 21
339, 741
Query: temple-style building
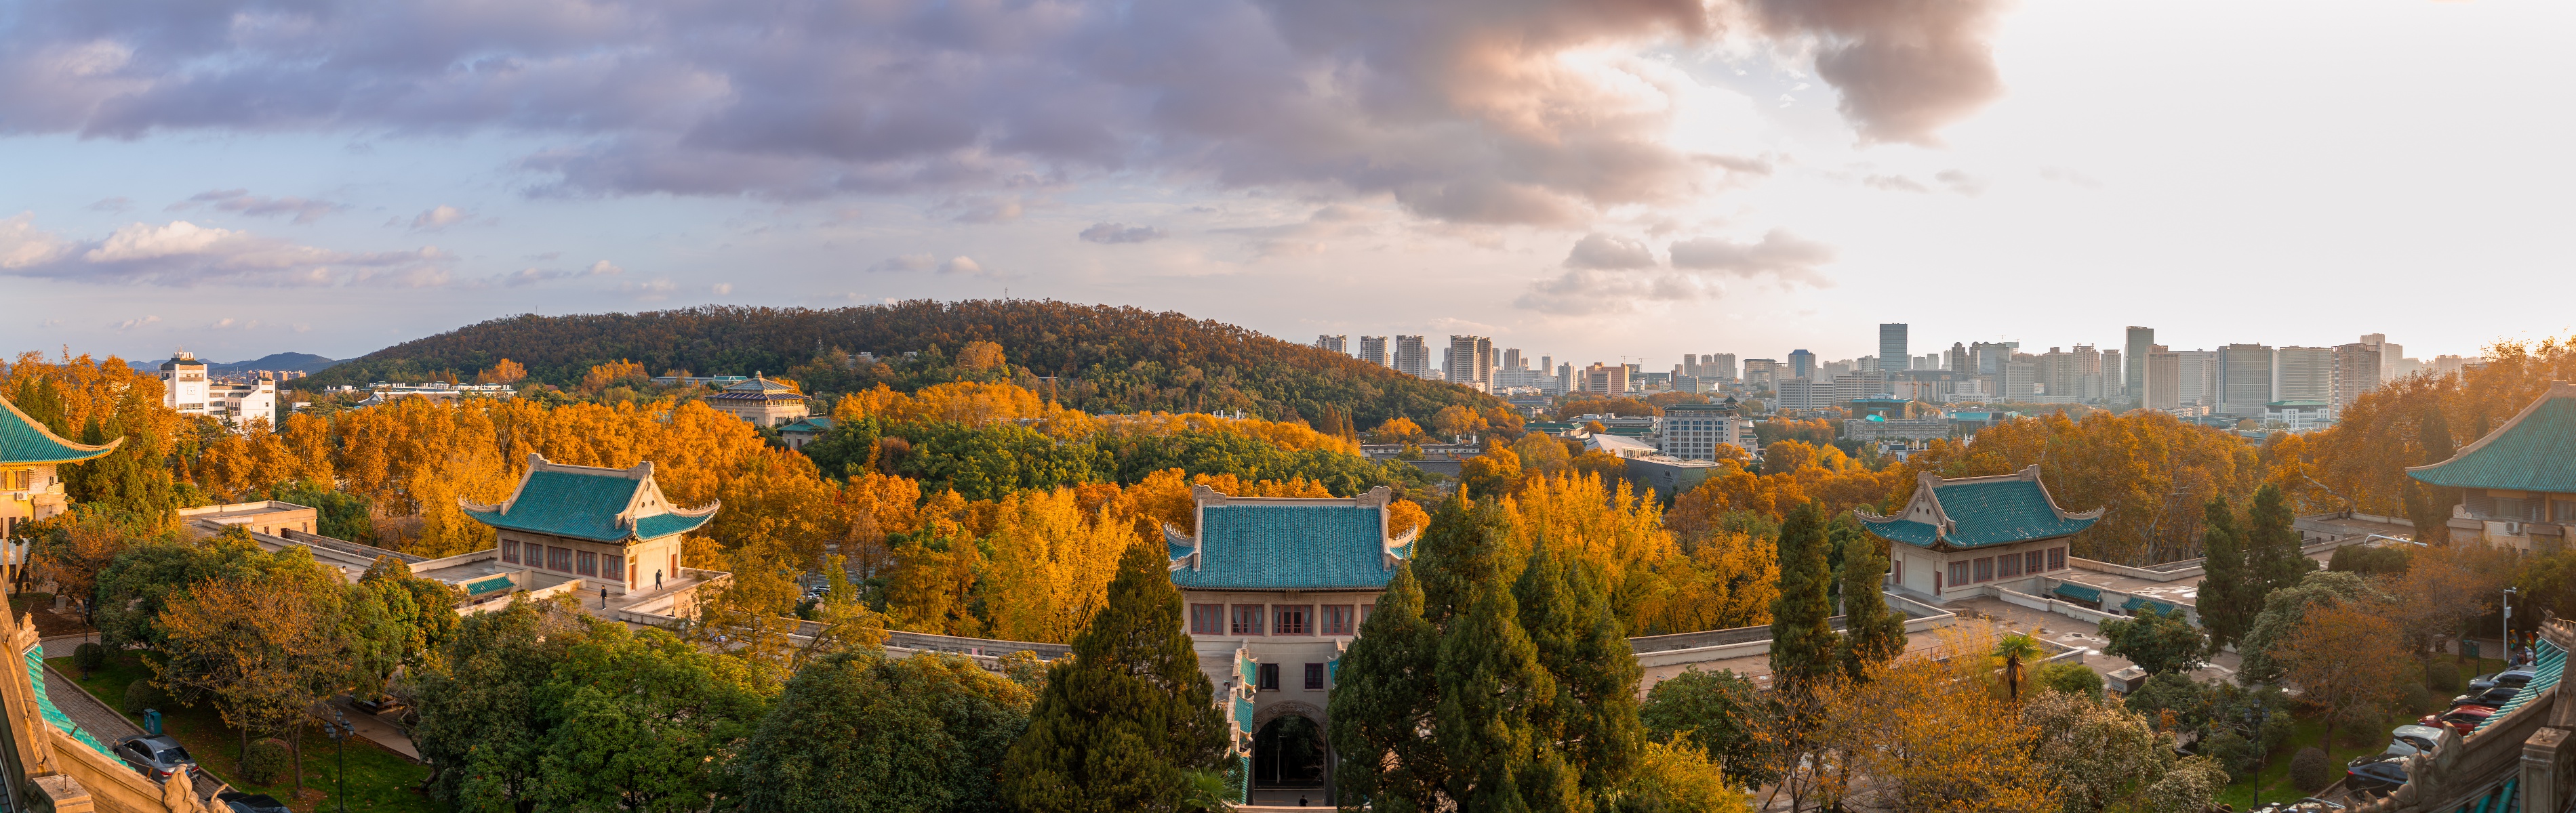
761, 401
1955, 535
31, 485
607, 528
1275, 590
2517, 485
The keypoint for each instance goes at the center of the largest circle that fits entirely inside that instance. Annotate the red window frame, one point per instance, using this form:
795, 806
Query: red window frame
2057, 558
2007, 565
587, 563
1337, 619
1314, 677
1985, 569
510, 551
1292, 619
1207, 619
2035, 561
1958, 573
1247, 619
558, 558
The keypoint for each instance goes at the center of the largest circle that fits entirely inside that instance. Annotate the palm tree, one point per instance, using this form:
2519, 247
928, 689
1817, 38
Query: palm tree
2013, 649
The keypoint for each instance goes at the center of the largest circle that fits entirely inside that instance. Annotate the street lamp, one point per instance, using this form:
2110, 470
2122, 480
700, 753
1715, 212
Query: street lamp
2509, 593
340, 731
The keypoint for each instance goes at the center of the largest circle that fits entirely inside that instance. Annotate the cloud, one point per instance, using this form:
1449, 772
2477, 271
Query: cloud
1961, 182
962, 266
243, 202
1533, 112
184, 254
1594, 291
1779, 254
721, 288
532, 276
1602, 251
440, 217
1114, 233
131, 324
905, 262
115, 204
1894, 183
984, 208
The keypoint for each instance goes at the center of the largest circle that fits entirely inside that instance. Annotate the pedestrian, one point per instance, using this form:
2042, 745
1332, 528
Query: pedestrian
657, 578
603, 598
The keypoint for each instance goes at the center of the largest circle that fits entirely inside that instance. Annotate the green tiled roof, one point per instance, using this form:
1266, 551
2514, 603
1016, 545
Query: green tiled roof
2536, 451
759, 389
23, 440
1993, 512
493, 584
582, 506
2135, 603
35, 662
1288, 547
2551, 666
2079, 592
815, 425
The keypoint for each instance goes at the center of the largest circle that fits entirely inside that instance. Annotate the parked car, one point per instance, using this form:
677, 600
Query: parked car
2308, 805
240, 802
2497, 696
156, 757
2516, 678
2380, 772
2417, 738
378, 704
2463, 719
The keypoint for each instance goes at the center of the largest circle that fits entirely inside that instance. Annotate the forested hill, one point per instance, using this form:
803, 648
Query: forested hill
1108, 359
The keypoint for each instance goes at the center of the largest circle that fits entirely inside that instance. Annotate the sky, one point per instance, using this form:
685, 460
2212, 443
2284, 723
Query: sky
1597, 180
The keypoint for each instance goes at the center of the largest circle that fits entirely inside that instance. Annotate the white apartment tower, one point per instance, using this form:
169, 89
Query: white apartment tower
186, 389
183, 383
1337, 344
1412, 357
2303, 374
1373, 350
1470, 361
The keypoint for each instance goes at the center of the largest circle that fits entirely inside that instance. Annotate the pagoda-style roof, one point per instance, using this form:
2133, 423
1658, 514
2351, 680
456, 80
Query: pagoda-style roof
759, 388
1976, 512
583, 502
1267, 543
2535, 451
25, 441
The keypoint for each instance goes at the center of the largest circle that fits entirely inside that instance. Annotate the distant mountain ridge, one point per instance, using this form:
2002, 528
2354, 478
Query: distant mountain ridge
1105, 358
300, 362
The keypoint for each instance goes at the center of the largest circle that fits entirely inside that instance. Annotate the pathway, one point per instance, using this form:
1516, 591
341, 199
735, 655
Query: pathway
376, 729
87, 711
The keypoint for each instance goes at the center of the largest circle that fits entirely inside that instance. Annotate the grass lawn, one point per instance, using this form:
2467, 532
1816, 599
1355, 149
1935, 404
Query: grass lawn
2273, 782
379, 780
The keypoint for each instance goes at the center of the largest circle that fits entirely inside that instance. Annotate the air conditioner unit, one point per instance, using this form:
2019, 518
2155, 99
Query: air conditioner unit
2513, 529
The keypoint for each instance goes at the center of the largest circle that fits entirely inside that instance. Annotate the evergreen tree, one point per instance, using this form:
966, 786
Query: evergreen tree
1125, 723
1497, 720
2226, 608
1383, 695
1568, 619
2272, 546
1874, 635
858, 731
1802, 633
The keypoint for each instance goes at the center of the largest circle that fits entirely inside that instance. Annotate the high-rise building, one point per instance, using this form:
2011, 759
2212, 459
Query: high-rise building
1891, 345
2196, 378
2303, 374
1373, 350
1802, 364
1927, 361
1412, 357
2449, 365
1960, 361
1604, 379
2133, 380
1337, 344
2356, 370
1512, 360
1697, 431
2163, 387
1717, 365
2244, 380
2021, 378
1565, 377
1470, 361
1761, 371
2114, 383
1794, 393
2391, 355
1989, 357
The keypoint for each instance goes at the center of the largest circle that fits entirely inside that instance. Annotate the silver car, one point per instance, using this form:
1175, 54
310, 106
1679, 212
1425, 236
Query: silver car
156, 757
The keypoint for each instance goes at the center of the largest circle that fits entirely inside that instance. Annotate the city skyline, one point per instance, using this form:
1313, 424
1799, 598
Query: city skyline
1735, 188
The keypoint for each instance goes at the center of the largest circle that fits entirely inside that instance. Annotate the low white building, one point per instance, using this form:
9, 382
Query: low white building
186, 389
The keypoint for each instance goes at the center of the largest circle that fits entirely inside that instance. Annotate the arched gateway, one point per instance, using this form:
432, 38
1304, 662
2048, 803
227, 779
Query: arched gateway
1276, 589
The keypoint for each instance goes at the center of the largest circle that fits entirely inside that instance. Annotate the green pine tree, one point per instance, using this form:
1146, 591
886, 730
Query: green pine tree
1130, 722
2272, 546
1568, 619
1874, 635
1383, 694
1802, 633
1496, 720
2227, 605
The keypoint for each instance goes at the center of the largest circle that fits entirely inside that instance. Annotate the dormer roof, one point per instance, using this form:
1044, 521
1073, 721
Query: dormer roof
24, 440
1975, 512
2535, 451
1287, 543
585, 502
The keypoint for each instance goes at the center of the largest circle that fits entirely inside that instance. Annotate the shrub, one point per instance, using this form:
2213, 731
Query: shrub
141, 695
2311, 771
2071, 678
2240, 756
89, 658
2445, 675
266, 761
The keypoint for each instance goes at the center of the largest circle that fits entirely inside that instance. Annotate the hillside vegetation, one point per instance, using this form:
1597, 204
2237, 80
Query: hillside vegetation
1104, 359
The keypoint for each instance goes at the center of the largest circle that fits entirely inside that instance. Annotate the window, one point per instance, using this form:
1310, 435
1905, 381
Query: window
1337, 619
1364, 611
1314, 677
2007, 565
20, 480
610, 563
1290, 619
1268, 675
2515, 509
510, 550
1986, 570
1207, 619
589, 563
2057, 558
1899, 570
558, 558
1958, 573
2566, 511
1247, 619
2034, 561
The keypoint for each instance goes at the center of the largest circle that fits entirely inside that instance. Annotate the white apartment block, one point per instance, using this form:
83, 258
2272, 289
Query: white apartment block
186, 389
1695, 431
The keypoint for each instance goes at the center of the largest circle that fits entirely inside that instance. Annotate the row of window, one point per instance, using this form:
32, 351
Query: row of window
567, 560
1277, 619
2006, 566
1266, 676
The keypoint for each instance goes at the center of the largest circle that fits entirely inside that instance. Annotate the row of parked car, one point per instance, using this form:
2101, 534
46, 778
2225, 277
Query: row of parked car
2487, 695
161, 757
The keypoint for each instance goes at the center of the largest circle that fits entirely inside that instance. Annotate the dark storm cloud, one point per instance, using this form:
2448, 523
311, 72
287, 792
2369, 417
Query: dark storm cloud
1462, 110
